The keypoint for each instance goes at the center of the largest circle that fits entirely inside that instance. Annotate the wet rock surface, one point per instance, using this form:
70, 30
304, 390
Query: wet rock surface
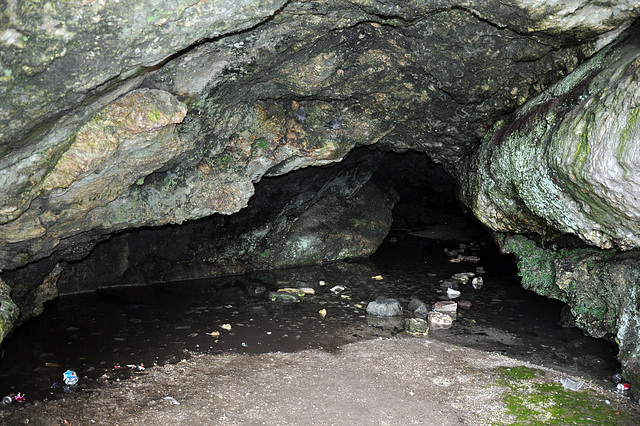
587, 127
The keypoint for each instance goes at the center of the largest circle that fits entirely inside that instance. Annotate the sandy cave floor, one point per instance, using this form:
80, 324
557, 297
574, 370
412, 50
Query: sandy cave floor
385, 381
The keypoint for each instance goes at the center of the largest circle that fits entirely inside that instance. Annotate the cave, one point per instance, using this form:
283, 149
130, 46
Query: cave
168, 168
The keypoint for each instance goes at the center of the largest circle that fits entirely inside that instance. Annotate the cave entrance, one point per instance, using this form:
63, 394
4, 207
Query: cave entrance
430, 241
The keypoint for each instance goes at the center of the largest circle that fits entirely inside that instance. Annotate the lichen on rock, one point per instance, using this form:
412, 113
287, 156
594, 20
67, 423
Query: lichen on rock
8, 311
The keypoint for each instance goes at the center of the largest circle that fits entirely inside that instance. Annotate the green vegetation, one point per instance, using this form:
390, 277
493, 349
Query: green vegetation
265, 254
534, 401
262, 143
225, 159
535, 266
154, 114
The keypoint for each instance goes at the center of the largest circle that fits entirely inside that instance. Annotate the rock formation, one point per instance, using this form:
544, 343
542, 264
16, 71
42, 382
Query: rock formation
118, 117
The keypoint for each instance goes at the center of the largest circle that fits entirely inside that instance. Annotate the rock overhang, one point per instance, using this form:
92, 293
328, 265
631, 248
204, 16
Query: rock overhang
224, 82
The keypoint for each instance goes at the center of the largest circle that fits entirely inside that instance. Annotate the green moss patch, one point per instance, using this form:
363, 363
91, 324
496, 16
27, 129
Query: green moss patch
532, 400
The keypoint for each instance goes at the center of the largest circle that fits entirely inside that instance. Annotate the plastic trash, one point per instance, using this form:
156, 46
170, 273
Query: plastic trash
623, 388
171, 400
571, 384
7, 400
70, 378
337, 289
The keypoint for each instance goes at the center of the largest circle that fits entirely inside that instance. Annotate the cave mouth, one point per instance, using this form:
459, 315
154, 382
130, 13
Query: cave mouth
154, 324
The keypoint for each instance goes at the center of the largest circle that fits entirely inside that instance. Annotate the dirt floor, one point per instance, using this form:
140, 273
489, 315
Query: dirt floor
385, 381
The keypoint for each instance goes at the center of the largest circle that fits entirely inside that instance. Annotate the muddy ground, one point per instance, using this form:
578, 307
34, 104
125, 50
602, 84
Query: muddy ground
384, 381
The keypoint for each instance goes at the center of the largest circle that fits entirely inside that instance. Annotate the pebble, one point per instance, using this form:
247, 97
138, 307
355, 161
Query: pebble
465, 304
452, 294
477, 283
447, 306
463, 277
440, 319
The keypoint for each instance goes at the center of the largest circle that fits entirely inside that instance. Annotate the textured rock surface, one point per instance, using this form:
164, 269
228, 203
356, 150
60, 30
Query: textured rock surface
569, 159
429, 76
384, 307
303, 218
566, 164
118, 116
599, 286
8, 310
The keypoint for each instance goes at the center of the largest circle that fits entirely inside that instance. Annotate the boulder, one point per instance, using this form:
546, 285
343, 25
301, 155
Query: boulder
384, 307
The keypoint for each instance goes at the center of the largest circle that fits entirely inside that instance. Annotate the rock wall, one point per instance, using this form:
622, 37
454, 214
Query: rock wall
562, 171
119, 116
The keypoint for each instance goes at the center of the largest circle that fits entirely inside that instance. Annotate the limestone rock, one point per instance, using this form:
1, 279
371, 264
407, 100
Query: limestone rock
8, 310
440, 319
568, 160
384, 307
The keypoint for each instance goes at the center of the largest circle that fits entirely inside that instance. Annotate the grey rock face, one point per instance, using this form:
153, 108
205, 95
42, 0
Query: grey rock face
121, 115
568, 160
453, 72
384, 307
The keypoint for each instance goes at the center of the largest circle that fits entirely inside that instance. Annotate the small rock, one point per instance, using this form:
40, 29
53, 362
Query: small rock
421, 311
449, 283
226, 327
452, 294
283, 296
463, 277
447, 306
414, 303
477, 283
465, 304
416, 326
440, 319
295, 291
323, 312
384, 307
480, 270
